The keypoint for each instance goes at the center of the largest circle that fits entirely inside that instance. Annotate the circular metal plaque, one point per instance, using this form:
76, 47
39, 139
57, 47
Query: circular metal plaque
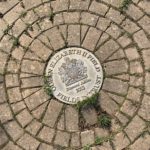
74, 74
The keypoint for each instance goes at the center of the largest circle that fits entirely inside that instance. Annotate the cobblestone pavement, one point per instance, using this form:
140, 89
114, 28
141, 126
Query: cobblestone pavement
33, 30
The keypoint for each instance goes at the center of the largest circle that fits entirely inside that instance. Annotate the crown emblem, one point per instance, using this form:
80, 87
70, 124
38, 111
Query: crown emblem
72, 71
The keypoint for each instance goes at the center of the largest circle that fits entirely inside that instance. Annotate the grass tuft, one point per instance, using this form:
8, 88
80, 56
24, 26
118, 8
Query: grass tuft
23, 14
125, 4
87, 147
101, 140
47, 87
16, 42
88, 101
104, 121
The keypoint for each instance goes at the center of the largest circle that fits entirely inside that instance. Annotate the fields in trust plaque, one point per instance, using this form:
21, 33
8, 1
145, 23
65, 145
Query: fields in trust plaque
74, 74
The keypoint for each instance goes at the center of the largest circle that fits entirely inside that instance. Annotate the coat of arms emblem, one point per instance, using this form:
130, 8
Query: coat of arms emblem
72, 71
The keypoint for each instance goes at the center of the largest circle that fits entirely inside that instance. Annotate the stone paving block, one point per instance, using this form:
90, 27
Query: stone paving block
59, 5
62, 138
58, 19
122, 118
5, 114
5, 6
141, 39
24, 142
2, 94
55, 38
51, 115
12, 80
45, 24
18, 53
135, 128
136, 67
87, 137
34, 30
136, 81
43, 10
13, 66
145, 5
79, 4
114, 31
91, 39
71, 17
46, 147
124, 40
111, 68
46, 134
33, 67
121, 141
144, 110
116, 3
24, 117
31, 3
36, 99
141, 143
89, 115
3, 58
130, 26
146, 57
132, 53
98, 8
116, 98
144, 22
74, 35
3, 27
12, 146
88, 19
128, 108
109, 85
29, 55
100, 132
115, 15
106, 50
14, 130
44, 39
18, 27
61, 122
30, 17
63, 30
103, 23
25, 40
33, 127
117, 55
134, 94
3, 137
14, 95
115, 126
13, 14
147, 82
38, 112
40, 49
28, 92
6, 43
16, 107
103, 39
107, 104
75, 139
105, 146
32, 82
71, 119
134, 12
